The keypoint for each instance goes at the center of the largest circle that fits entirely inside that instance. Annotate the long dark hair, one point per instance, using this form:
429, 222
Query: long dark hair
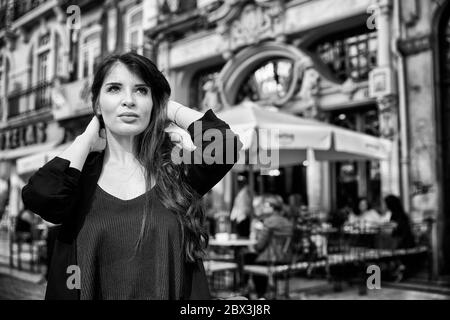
153, 149
394, 205
398, 215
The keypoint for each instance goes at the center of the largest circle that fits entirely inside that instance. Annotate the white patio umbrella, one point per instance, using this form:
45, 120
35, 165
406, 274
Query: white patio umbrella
289, 138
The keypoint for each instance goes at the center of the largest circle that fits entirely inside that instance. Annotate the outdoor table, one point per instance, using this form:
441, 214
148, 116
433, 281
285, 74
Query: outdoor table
237, 245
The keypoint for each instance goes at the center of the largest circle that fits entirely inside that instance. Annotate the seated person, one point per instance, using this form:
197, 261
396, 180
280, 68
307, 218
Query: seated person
402, 231
401, 237
364, 215
271, 223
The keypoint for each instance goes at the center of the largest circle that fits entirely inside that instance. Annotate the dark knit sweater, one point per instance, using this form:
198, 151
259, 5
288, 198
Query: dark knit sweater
110, 265
63, 195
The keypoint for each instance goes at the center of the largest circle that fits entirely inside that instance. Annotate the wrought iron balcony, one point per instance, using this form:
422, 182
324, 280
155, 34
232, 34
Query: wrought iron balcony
33, 99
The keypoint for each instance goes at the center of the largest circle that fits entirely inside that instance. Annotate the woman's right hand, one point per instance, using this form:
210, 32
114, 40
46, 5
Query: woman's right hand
94, 136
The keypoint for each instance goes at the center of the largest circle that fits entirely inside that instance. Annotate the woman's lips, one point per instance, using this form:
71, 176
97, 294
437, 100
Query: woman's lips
128, 118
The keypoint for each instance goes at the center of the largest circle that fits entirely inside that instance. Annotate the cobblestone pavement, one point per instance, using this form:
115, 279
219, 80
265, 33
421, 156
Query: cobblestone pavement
12, 288
381, 294
20, 285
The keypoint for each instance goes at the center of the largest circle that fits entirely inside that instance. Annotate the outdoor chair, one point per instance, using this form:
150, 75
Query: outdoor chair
281, 263
217, 272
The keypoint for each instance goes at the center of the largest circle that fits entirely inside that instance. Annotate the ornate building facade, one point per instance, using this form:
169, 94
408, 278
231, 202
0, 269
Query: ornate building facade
373, 66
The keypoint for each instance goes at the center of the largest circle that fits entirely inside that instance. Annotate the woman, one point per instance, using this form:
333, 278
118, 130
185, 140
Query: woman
129, 209
402, 232
402, 237
364, 214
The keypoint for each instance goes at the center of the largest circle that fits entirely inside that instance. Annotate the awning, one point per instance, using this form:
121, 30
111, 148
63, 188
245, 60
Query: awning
290, 137
25, 151
33, 162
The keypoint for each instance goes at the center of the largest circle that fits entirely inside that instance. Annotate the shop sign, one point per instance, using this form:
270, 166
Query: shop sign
31, 134
380, 82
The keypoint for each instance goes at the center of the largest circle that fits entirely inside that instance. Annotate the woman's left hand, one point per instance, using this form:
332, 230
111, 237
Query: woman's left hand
180, 137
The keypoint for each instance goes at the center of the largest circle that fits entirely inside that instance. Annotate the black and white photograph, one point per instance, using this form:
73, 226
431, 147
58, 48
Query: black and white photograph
237, 151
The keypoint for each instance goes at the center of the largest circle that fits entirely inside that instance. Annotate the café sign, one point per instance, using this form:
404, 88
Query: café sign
23, 136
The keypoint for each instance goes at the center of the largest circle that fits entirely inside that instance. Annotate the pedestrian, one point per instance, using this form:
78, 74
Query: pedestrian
242, 210
130, 214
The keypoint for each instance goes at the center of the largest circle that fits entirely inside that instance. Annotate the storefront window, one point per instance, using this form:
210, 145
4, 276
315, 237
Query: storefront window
348, 55
354, 179
268, 83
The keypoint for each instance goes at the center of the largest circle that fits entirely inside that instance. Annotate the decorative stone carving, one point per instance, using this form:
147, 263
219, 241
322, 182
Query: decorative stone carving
388, 116
309, 90
422, 149
11, 39
349, 88
212, 99
60, 15
255, 23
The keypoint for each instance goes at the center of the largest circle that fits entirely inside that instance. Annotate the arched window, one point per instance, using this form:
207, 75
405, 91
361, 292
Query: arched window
134, 35
90, 50
269, 82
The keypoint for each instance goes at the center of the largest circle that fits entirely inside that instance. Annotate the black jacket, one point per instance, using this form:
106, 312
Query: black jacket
63, 195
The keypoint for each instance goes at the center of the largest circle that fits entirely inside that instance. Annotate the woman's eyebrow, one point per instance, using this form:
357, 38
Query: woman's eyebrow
119, 84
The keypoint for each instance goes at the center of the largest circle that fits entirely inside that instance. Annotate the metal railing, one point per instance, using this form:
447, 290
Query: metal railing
34, 98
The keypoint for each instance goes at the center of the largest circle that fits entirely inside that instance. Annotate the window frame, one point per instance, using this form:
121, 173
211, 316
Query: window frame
90, 47
131, 28
343, 43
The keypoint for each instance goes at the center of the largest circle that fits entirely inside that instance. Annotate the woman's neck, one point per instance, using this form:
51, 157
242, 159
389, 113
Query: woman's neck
119, 150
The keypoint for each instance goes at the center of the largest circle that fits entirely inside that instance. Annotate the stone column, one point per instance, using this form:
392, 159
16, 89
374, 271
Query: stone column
387, 103
314, 182
390, 170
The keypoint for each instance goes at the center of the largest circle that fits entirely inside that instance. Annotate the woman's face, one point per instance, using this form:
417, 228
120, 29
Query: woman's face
363, 206
125, 102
